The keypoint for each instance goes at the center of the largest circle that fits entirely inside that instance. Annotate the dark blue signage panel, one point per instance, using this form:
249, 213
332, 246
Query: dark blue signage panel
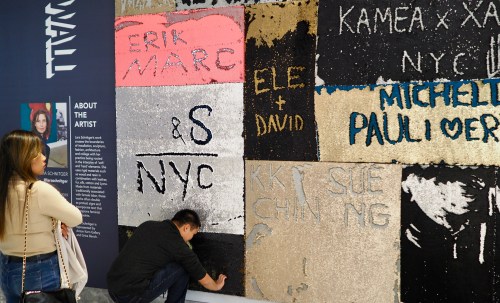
57, 78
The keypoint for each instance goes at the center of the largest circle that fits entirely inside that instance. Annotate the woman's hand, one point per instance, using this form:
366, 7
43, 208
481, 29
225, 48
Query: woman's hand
64, 229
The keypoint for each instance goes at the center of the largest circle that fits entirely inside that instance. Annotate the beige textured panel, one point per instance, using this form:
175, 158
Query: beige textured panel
272, 21
454, 122
322, 232
136, 7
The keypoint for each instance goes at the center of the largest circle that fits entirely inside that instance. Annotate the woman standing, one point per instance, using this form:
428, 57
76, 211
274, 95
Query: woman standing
21, 162
40, 125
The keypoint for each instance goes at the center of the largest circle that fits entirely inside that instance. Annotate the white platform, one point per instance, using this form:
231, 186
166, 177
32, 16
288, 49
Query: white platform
205, 297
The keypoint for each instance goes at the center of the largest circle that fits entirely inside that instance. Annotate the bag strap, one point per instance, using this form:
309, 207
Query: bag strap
59, 250
54, 230
26, 212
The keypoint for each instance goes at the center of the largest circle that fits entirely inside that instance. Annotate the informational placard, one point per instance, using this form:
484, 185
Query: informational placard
57, 80
367, 42
180, 48
181, 147
279, 99
449, 234
322, 232
428, 122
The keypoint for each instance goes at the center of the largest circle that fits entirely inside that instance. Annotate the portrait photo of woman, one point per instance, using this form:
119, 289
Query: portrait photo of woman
48, 121
40, 125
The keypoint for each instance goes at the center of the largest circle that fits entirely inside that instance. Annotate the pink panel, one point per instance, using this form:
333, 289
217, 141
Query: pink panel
181, 48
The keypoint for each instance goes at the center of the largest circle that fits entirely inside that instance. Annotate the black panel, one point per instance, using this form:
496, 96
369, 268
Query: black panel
274, 130
456, 261
355, 45
219, 253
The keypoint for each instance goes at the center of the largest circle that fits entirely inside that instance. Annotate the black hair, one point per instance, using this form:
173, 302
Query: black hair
187, 216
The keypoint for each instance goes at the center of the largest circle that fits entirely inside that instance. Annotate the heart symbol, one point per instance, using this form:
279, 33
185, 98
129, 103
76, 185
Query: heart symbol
454, 125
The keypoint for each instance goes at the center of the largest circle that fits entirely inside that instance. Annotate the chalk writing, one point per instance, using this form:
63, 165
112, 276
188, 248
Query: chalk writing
358, 180
473, 14
150, 40
149, 54
399, 23
197, 4
204, 129
298, 177
197, 61
256, 288
299, 289
200, 124
483, 127
418, 65
304, 263
142, 5
276, 123
175, 132
442, 20
267, 208
215, 2
373, 212
392, 20
493, 58
280, 102
160, 185
268, 76
270, 209
408, 41
273, 177
265, 81
258, 232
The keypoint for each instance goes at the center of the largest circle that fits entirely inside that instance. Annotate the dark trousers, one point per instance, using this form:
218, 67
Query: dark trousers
172, 279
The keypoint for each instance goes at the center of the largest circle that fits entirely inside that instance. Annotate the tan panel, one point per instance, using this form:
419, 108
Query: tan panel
322, 232
273, 20
454, 122
136, 7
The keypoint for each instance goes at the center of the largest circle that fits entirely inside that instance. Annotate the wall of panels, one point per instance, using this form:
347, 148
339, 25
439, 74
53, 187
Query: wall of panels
337, 151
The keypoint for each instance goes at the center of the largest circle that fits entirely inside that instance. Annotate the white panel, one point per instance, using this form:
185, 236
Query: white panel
191, 136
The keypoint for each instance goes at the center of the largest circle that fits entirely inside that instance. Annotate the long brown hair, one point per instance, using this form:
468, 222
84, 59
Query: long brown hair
17, 149
39, 112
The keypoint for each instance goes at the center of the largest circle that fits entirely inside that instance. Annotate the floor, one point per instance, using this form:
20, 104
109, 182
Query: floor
205, 297
97, 295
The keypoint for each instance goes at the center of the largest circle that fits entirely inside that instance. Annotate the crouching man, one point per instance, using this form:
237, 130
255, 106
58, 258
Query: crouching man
158, 259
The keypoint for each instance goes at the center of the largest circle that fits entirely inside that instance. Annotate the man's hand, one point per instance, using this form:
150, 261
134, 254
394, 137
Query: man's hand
220, 281
210, 284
